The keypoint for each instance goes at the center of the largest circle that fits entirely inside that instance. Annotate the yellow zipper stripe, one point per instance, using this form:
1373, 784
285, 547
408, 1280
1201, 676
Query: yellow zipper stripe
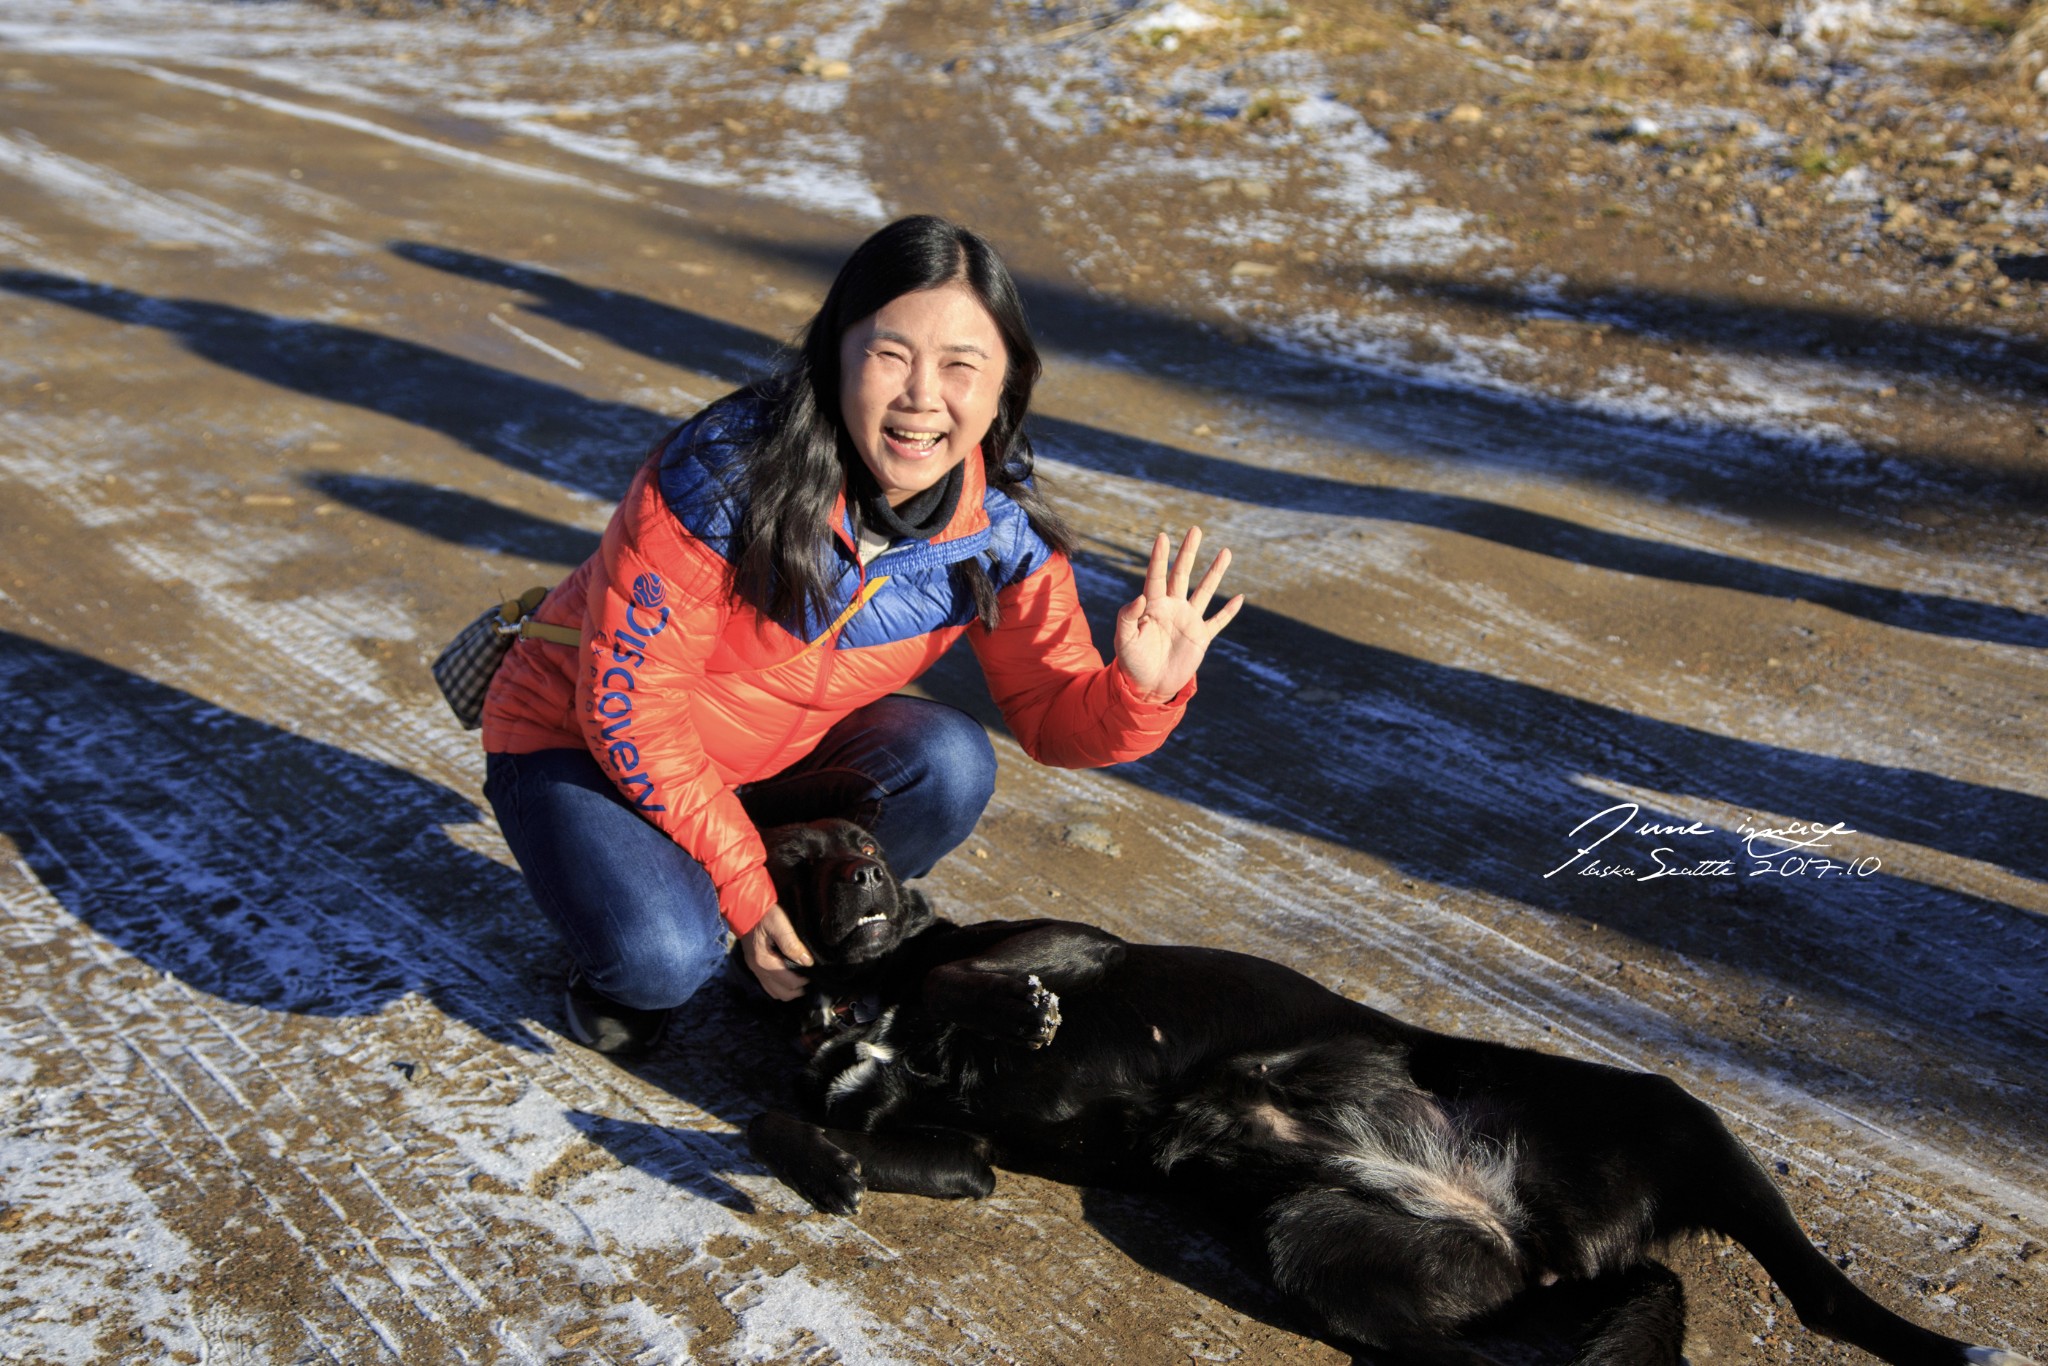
860, 600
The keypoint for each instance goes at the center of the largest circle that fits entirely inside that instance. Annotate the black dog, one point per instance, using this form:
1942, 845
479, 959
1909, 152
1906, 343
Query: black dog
1402, 1184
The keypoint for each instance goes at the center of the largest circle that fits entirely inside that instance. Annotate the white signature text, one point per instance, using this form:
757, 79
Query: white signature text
1796, 849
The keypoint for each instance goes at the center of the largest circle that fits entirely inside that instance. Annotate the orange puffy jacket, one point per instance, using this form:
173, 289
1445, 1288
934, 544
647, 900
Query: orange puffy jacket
683, 693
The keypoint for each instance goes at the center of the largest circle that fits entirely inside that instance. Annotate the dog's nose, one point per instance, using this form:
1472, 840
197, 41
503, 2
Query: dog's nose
865, 875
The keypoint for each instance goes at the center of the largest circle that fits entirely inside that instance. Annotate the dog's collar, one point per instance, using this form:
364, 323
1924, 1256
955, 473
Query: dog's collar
826, 1015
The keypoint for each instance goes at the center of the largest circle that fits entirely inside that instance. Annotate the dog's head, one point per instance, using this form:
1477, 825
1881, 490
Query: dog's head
834, 885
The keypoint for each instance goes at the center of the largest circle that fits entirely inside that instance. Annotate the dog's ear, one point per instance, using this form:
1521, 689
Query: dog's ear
788, 847
787, 844
917, 912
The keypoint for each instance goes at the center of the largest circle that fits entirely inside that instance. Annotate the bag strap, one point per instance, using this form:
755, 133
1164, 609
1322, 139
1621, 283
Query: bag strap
516, 618
554, 635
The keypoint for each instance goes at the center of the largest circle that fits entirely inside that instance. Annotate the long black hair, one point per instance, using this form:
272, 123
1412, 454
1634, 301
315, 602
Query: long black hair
803, 452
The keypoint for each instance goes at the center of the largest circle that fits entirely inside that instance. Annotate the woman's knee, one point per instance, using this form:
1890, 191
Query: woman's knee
638, 914
658, 971
958, 760
951, 774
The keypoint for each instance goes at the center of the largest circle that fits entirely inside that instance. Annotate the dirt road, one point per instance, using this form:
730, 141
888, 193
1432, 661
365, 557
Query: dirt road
318, 333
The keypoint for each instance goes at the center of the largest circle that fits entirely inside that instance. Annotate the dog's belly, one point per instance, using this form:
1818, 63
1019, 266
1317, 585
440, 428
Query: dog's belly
1101, 1101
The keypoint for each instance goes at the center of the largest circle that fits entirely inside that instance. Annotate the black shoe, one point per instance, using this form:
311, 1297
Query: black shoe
604, 1026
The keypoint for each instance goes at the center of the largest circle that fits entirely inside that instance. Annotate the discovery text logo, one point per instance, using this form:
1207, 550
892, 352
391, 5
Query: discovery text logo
646, 618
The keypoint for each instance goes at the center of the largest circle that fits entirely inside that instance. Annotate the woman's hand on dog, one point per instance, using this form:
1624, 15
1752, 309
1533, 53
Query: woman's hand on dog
774, 952
1160, 634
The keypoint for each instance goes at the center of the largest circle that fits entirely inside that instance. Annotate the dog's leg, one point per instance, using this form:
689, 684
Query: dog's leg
1646, 1327
996, 1005
803, 1157
1386, 1278
1827, 1301
832, 1168
1011, 990
1730, 1193
939, 1164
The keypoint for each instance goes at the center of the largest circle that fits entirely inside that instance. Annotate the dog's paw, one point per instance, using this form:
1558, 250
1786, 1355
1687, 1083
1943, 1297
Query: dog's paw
804, 1159
1041, 1015
1006, 1006
832, 1182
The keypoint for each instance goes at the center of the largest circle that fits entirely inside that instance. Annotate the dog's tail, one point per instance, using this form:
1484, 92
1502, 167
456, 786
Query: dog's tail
1736, 1197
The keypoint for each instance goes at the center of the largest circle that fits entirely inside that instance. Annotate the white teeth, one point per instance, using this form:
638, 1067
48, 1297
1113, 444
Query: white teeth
875, 919
922, 440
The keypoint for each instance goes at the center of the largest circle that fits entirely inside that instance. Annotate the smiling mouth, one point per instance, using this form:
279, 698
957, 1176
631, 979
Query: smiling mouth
917, 443
878, 918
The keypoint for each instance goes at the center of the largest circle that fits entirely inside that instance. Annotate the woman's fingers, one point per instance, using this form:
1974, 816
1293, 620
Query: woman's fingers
1206, 589
774, 975
780, 983
1184, 562
1223, 618
1164, 577
1170, 583
775, 952
775, 933
1155, 568
792, 948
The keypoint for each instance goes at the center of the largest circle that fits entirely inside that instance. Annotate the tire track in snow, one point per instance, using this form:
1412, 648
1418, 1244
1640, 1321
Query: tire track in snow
331, 1140
153, 1039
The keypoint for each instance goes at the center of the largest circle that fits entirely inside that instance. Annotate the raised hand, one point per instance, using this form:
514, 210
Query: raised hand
1160, 634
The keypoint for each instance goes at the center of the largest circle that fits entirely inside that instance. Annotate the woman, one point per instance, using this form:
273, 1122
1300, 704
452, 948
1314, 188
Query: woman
782, 564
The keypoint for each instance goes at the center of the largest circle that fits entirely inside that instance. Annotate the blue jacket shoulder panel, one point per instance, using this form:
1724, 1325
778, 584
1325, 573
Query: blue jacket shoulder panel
703, 471
1015, 552
908, 607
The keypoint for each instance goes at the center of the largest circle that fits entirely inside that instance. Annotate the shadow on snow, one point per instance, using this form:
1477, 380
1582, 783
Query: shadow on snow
285, 874
685, 338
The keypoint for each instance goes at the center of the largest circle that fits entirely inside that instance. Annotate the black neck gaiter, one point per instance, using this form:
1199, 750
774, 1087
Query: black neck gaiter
921, 517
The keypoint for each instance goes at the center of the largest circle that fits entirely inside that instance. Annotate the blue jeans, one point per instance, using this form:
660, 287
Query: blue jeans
640, 916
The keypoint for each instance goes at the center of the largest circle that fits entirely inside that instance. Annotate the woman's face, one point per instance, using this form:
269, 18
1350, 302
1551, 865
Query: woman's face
920, 381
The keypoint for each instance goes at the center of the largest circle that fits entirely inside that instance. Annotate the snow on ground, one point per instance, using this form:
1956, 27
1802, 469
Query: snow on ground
111, 198
419, 65
1069, 90
1079, 84
87, 1251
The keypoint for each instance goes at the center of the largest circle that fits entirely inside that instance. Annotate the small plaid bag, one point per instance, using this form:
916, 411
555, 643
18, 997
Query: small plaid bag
465, 669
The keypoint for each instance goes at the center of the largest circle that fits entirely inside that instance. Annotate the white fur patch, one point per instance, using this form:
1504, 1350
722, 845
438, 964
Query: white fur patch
871, 1057
852, 1080
1434, 1173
